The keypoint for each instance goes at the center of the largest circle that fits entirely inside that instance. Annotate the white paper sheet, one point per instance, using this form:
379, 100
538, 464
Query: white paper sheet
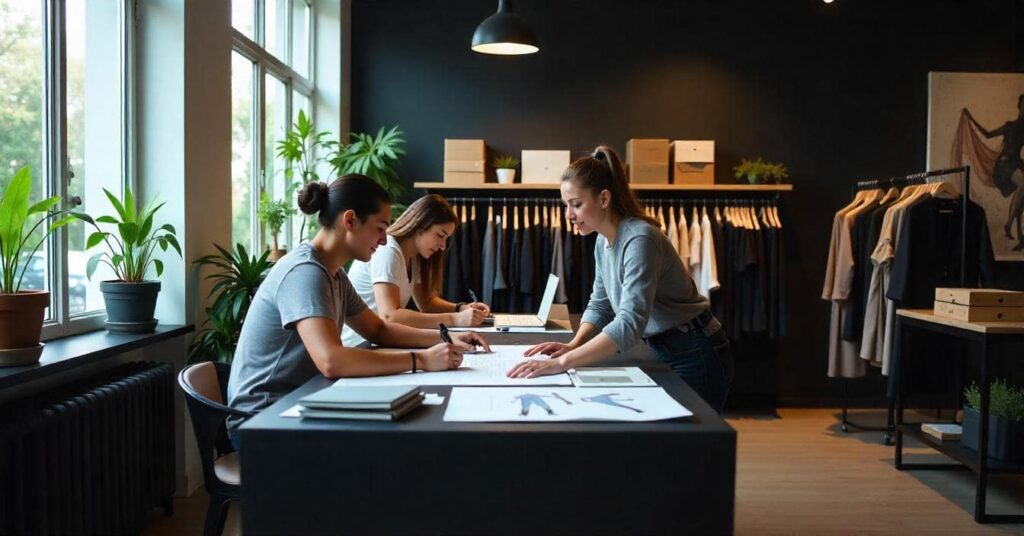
476, 369
540, 404
610, 377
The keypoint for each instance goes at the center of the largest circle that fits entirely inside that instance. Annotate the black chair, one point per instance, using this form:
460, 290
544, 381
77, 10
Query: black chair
205, 386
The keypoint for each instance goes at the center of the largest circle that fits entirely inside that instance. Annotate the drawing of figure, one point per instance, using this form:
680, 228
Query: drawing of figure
1007, 168
606, 399
529, 399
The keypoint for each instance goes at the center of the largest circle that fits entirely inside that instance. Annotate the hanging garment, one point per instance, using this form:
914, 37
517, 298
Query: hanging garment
661, 220
673, 230
474, 253
695, 247
684, 239
843, 357
454, 277
865, 236
709, 266
489, 253
501, 262
527, 258
558, 258
466, 256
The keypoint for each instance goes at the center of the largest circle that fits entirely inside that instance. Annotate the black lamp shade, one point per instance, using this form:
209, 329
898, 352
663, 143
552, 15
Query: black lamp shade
504, 33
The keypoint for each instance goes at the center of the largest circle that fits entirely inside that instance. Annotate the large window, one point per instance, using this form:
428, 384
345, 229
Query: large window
270, 83
65, 112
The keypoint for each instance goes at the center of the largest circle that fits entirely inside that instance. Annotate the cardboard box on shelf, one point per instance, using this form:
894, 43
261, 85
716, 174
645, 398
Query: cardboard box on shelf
979, 313
693, 162
464, 178
648, 173
475, 166
647, 161
985, 297
472, 150
544, 167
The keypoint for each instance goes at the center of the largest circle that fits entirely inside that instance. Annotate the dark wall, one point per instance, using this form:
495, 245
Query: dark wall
838, 92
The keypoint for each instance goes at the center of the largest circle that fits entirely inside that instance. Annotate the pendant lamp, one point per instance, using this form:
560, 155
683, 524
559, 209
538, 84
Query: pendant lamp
504, 33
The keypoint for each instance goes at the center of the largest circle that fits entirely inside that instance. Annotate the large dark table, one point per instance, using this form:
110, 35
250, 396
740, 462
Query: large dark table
422, 475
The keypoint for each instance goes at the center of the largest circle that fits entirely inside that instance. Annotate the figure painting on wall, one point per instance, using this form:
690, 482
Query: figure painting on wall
977, 119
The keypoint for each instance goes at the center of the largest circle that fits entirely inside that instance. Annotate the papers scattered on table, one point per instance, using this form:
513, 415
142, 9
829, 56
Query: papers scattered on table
487, 404
477, 369
610, 377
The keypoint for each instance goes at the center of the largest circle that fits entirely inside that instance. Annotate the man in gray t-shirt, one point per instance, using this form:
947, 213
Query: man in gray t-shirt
272, 365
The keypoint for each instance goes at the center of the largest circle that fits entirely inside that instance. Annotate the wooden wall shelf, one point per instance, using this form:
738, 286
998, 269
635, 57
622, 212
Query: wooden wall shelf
636, 187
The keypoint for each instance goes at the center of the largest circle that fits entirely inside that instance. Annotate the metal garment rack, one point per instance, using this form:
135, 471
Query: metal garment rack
910, 180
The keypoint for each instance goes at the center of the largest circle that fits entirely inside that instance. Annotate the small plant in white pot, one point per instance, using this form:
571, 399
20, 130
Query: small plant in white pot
274, 214
22, 311
505, 167
131, 298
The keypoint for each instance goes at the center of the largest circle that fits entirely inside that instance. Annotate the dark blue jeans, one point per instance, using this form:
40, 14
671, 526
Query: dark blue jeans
701, 357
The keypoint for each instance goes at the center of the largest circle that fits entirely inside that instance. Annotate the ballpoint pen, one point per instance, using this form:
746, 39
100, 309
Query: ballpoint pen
473, 296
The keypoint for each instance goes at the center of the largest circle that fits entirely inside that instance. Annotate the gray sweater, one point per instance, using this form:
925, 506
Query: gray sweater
640, 288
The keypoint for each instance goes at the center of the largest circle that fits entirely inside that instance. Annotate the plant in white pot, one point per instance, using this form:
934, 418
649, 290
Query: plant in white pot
22, 311
274, 214
505, 168
130, 299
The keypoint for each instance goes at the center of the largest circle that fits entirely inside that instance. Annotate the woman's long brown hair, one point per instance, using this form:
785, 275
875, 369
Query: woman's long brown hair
603, 170
425, 212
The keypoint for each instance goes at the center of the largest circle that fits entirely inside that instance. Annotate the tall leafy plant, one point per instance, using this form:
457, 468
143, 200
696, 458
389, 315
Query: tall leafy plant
130, 247
302, 151
375, 157
17, 228
237, 275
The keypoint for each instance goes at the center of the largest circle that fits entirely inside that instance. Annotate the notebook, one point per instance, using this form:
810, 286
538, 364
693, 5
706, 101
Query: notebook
360, 398
364, 415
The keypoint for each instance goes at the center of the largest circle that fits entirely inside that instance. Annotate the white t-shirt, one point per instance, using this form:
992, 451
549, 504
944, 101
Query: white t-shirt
386, 266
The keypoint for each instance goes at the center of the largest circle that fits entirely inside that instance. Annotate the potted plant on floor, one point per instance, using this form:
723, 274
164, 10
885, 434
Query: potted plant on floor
130, 299
236, 279
22, 311
274, 214
1005, 424
505, 168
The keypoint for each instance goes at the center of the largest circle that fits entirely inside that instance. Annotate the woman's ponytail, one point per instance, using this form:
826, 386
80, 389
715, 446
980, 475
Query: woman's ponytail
603, 170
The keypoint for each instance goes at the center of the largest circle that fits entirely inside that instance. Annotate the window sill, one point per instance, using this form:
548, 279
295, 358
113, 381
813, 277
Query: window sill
64, 354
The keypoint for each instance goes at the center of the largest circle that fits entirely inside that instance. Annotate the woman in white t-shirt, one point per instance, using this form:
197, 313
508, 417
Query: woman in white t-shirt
411, 266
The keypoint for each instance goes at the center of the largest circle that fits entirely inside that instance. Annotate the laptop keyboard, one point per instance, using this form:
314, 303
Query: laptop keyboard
518, 320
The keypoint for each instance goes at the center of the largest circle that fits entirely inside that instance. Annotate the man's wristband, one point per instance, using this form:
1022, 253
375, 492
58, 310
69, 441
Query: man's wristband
413, 356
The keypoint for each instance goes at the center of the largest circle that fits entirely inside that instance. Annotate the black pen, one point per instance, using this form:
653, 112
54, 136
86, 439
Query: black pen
444, 334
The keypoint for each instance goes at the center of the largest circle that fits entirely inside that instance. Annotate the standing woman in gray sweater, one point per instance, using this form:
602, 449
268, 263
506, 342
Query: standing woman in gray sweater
641, 291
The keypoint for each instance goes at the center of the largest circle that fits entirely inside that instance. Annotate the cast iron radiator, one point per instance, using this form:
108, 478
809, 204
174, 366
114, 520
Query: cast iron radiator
92, 458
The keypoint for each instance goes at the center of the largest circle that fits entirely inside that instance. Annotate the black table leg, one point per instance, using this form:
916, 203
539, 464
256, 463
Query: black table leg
979, 497
896, 367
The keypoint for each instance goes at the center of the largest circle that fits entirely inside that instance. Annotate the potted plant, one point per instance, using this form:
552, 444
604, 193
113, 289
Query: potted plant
303, 151
22, 311
375, 157
274, 214
1005, 424
131, 298
505, 167
759, 172
236, 279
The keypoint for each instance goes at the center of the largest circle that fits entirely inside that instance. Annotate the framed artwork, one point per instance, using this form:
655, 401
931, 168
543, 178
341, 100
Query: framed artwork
977, 119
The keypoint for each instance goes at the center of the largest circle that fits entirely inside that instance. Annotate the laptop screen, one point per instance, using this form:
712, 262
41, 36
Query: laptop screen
549, 298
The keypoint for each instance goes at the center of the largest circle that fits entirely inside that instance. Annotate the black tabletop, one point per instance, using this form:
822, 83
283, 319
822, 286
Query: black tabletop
430, 418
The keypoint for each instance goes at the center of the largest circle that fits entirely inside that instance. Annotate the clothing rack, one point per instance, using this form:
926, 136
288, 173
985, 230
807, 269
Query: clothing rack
911, 180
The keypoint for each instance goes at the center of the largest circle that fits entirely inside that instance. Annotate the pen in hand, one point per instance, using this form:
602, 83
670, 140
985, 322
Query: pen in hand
473, 296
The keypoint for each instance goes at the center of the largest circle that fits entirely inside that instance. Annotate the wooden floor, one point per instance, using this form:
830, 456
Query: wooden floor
798, 473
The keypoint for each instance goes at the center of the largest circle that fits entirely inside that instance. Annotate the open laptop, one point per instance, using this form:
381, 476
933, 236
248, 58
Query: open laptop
538, 320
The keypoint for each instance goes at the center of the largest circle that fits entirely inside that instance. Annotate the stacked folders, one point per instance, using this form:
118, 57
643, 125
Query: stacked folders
385, 403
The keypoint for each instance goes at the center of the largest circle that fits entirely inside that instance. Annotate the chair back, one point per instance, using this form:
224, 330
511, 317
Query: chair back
205, 387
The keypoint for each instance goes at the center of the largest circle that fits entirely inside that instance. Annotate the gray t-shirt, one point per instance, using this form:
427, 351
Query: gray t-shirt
271, 360
640, 286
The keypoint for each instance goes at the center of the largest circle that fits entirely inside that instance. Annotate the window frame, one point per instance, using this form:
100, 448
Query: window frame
266, 63
56, 165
